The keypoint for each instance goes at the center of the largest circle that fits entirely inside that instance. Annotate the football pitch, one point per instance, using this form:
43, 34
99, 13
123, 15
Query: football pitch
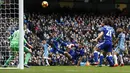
69, 69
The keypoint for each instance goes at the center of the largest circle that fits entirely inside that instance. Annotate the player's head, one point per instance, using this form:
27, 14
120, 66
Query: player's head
119, 30
54, 33
44, 41
80, 45
107, 21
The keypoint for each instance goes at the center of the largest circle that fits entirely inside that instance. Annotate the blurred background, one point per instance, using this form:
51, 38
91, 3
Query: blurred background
101, 6
71, 20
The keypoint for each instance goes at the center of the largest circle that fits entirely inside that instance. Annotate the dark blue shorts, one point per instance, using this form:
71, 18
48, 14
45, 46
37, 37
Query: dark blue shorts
105, 45
72, 53
53, 51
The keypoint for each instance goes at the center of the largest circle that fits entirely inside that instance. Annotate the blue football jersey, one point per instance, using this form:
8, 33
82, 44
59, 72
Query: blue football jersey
45, 46
108, 32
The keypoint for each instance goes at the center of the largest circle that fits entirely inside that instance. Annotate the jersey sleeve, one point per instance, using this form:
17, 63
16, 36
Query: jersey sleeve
119, 36
16, 34
47, 45
25, 41
101, 29
10, 37
113, 32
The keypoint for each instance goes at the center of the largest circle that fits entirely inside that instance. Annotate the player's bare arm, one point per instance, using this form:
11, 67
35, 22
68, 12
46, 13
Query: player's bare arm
29, 45
99, 36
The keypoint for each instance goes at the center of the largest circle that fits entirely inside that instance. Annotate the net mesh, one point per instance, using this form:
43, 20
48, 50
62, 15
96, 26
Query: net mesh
8, 24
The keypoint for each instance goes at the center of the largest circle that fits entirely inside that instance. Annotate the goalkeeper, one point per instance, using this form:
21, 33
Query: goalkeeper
14, 45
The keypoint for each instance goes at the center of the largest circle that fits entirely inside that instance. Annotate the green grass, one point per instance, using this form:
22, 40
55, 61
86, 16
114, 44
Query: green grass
69, 69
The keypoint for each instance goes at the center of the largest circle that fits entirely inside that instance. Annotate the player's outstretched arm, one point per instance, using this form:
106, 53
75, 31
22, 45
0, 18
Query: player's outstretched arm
99, 36
29, 45
116, 41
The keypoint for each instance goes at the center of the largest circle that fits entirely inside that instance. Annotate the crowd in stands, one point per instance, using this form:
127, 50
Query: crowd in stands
81, 27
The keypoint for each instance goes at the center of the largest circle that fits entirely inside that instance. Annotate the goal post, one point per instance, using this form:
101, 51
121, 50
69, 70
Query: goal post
11, 19
21, 36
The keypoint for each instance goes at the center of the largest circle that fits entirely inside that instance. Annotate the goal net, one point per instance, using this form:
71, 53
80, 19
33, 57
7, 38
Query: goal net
9, 22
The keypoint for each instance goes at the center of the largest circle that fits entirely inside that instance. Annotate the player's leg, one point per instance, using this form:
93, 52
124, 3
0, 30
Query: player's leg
121, 52
98, 47
68, 55
116, 51
101, 59
79, 60
28, 56
46, 58
14, 49
71, 56
9, 59
109, 54
107, 46
110, 59
115, 59
121, 58
95, 55
47, 62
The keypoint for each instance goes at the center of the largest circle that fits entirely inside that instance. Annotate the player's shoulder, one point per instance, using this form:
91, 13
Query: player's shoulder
106, 27
111, 28
16, 31
119, 35
123, 34
101, 28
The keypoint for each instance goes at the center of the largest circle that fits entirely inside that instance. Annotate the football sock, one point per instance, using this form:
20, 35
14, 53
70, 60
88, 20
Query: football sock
115, 59
101, 59
28, 55
110, 60
47, 62
95, 56
121, 59
9, 59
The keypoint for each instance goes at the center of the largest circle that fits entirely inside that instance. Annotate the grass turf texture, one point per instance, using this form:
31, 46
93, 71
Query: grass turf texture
69, 69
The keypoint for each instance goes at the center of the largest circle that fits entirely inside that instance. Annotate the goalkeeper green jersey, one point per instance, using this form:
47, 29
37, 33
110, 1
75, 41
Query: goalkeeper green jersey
14, 40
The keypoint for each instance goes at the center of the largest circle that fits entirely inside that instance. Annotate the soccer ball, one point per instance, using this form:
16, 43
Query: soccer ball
44, 4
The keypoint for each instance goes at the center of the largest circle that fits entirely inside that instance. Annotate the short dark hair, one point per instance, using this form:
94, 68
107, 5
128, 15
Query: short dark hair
108, 21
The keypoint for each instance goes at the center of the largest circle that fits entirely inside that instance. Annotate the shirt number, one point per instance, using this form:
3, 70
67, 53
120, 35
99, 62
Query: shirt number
109, 33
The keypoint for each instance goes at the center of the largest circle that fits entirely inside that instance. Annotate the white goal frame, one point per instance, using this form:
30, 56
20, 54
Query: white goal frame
21, 40
21, 30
